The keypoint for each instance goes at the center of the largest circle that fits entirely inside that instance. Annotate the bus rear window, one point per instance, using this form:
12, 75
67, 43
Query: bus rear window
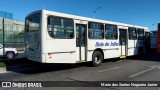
32, 23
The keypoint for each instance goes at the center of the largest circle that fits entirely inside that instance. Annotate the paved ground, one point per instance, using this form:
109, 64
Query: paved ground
132, 69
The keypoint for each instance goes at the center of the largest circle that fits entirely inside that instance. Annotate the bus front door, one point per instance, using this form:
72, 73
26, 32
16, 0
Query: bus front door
123, 42
81, 42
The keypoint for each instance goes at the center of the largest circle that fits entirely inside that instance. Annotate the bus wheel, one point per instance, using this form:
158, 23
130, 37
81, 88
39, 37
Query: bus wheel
97, 58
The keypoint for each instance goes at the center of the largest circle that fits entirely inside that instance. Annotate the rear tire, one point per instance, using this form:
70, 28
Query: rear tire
97, 58
10, 55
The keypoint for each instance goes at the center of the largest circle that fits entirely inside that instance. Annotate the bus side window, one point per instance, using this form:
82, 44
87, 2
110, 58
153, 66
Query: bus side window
140, 34
132, 33
95, 30
111, 31
61, 28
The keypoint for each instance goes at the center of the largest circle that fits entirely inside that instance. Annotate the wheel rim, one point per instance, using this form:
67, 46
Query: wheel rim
10, 55
97, 59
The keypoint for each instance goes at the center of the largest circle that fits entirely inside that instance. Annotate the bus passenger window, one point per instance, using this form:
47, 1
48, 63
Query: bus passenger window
140, 34
95, 30
60, 28
132, 33
111, 31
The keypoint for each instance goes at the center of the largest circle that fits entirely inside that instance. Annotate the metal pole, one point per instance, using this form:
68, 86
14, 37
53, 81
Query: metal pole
3, 39
13, 34
95, 11
94, 14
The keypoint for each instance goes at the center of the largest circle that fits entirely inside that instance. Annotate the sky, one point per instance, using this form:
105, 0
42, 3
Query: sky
137, 12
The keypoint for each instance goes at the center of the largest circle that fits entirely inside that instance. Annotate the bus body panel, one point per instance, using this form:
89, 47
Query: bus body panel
153, 40
110, 48
32, 44
134, 45
153, 43
43, 33
132, 50
61, 51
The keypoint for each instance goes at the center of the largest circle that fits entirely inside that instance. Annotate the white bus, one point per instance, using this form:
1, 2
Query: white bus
52, 37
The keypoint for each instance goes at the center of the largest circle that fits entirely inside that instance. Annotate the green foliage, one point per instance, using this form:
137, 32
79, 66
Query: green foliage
2, 64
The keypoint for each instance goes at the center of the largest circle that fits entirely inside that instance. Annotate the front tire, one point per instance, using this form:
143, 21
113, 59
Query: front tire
97, 58
10, 55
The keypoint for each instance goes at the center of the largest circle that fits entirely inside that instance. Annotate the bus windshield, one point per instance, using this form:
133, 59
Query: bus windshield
32, 23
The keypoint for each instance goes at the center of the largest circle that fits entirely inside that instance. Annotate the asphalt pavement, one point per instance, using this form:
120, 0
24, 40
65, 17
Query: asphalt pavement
130, 69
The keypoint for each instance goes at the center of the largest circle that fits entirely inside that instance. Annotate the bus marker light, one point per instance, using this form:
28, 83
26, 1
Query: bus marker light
122, 57
49, 55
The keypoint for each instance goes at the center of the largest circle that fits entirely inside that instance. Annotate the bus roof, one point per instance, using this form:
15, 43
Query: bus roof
86, 19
